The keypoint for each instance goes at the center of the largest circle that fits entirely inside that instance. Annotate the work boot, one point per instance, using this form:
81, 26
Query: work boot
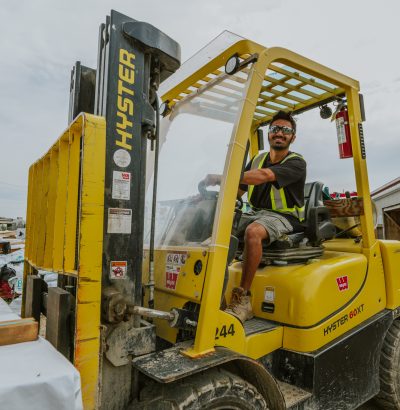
240, 305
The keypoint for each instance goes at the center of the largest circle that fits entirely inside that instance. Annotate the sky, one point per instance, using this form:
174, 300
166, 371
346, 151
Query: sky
40, 40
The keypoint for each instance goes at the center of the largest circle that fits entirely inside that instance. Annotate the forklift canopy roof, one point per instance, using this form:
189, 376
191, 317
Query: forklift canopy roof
291, 82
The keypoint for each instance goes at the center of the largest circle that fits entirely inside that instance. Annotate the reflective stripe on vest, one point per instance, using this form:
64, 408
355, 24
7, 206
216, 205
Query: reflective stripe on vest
277, 196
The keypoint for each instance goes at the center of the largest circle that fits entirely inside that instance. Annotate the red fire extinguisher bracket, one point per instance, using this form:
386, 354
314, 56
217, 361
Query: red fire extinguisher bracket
343, 133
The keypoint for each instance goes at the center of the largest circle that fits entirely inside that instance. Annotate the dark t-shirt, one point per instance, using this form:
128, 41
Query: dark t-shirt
291, 176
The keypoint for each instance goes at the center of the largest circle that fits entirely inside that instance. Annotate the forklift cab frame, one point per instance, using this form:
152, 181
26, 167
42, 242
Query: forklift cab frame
267, 79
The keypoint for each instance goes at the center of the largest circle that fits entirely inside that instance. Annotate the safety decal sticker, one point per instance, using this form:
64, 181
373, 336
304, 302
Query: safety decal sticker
341, 133
121, 186
177, 258
269, 294
171, 276
122, 158
173, 266
119, 220
118, 269
343, 283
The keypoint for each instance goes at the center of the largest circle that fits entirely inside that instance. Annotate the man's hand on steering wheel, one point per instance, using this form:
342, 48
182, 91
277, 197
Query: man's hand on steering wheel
209, 180
212, 180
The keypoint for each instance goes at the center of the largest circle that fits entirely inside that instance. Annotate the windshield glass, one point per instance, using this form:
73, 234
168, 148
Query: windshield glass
194, 142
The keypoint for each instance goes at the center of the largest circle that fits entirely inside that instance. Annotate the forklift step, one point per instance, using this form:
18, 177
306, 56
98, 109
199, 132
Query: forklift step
295, 397
257, 325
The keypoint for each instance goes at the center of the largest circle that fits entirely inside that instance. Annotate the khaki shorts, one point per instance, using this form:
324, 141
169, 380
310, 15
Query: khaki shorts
274, 223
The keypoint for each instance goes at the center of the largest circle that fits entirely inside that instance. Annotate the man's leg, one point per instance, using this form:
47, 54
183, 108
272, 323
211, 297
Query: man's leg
240, 305
253, 237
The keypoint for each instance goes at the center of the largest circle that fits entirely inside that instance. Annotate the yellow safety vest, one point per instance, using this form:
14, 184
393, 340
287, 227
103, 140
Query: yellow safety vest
278, 198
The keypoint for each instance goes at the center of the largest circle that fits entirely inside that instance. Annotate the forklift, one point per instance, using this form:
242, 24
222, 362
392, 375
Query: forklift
145, 252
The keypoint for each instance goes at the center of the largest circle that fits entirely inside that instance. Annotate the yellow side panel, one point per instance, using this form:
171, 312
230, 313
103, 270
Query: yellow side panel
391, 263
176, 281
29, 214
43, 210
230, 333
175, 271
260, 344
370, 300
61, 228
51, 203
72, 200
343, 245
307, 293
87, 359
87, 330
61, 204
37, 186
38, 227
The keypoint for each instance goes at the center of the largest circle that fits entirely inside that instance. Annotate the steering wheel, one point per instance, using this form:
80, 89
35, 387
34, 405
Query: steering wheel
205, 193
239, 203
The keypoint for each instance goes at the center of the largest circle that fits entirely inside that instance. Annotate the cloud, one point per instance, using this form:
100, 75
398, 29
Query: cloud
41, 40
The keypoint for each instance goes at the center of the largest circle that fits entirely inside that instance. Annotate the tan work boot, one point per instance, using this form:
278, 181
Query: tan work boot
240, 305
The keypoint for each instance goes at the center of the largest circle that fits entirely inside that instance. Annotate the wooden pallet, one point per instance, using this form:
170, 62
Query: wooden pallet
18, 331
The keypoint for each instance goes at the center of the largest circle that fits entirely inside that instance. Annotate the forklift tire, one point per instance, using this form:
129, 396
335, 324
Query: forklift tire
214, 389
389, 375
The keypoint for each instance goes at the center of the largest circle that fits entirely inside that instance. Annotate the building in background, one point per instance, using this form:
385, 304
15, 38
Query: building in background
11, 224
387, 200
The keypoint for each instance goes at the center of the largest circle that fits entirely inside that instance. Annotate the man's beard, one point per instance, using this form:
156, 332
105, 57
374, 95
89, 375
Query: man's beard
278, 147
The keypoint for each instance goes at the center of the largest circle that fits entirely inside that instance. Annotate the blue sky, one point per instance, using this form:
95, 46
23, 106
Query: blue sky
40, 41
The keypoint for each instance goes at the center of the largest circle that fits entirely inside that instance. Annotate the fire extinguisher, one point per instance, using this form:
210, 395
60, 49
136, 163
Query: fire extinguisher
343, 132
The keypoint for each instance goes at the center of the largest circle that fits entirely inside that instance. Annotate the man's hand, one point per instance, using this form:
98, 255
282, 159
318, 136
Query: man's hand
212, 179
258, 176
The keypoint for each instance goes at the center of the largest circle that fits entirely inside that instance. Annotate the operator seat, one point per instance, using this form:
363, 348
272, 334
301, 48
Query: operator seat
302, 246
318, 227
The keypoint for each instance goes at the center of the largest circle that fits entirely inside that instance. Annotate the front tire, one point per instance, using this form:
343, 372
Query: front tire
216, 389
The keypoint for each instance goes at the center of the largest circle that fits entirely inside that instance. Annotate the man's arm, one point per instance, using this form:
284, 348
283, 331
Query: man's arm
251, 177
258, 176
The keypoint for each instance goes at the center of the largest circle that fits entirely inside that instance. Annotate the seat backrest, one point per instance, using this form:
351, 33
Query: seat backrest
312, 196
318, 222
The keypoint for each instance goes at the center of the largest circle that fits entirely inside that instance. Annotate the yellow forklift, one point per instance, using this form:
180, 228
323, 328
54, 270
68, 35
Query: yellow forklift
145, 252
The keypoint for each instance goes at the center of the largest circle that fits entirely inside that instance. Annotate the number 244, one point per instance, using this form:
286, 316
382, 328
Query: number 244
223, 332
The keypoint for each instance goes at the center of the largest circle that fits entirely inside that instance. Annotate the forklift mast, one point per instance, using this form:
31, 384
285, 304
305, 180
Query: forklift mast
133, 59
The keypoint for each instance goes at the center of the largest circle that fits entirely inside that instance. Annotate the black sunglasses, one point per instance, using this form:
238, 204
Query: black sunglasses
274, 129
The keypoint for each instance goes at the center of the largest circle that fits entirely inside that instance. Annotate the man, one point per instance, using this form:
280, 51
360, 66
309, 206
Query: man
274, 183
6, 290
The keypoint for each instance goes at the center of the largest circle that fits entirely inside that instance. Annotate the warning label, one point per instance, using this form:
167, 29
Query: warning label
177, 258
121, 186
118, 269
343, 283
341, 133
171, 276
174, 262
119, 220
269, 295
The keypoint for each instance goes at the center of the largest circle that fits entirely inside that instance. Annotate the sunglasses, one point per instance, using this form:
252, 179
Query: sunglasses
274, 129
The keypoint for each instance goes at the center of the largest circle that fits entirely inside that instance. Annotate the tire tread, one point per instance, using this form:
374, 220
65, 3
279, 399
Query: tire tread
195, 392
389, 396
